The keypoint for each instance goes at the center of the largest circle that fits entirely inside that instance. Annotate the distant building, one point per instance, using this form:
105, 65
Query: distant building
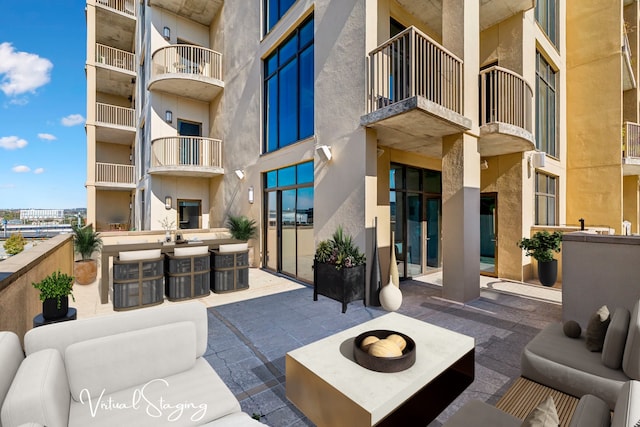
41, 214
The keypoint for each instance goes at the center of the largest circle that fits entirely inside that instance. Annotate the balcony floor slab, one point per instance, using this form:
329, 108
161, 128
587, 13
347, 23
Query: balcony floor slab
502, 138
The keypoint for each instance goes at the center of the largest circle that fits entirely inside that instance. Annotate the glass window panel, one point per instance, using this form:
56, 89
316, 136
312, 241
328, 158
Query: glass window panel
288, 106
304, 226
432, 181
272, 179
288, 49
306, 93
272, 114
287, 176
306, 33
271, 64
413, 179
288, 232
272, 13
305, 172
395, 177
285, 5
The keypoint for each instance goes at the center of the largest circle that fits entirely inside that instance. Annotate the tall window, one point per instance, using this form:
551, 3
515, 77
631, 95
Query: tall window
288, 86
546, 132
546, 200
274, 10
547, 16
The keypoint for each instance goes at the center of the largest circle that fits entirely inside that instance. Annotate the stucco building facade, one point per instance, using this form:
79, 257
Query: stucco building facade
444, 122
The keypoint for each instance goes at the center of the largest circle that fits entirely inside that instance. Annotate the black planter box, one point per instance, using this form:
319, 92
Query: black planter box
344, 285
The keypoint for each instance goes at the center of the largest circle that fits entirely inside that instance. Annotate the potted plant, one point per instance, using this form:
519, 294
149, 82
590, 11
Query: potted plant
54, 294
85, 242
240, 228
167, 226
339, 269
541, 247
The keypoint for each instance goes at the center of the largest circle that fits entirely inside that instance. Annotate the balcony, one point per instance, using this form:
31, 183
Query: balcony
491, 11
190, 71
113, 176
186, 156
115, 71
116, 23
631, 149
506, 105
415, 94
201, 11
115, 124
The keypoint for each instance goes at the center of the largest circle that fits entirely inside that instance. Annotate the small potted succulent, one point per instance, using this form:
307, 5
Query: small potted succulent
339, 269
54, 294
541, 247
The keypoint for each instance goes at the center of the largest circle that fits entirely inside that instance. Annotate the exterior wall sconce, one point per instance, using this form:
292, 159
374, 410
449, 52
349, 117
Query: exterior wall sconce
251, 194
484, 165
239, 173
168, 116
324, 151
166, 33
167, 202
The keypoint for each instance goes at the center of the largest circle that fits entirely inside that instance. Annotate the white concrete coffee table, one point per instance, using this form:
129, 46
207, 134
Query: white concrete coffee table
331, 389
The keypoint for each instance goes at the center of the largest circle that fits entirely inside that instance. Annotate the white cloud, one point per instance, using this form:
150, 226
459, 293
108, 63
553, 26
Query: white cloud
72, 120
47, 136
12, 142
21, 169
22, 72
19, 101
38, 171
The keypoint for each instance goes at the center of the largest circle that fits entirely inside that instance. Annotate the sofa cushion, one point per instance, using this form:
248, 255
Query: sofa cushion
572, 329
477, 413
199, 391
191, 250
39, 392
631, 358
627, 410
591, 412
11, 356
543, 415
613, 348
554, 360
124, 360
61, 335
597, 329
139, 255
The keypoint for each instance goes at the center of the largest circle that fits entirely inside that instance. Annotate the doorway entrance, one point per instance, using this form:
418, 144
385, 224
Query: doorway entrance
488, 233
416, 219
189, 214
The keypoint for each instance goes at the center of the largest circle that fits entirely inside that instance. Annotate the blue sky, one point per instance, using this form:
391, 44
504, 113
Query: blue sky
42, 104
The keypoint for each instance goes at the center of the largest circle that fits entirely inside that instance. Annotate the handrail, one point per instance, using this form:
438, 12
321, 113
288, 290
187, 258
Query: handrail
115, 173
115, 57
187, 59
631, 140
125, 6
115, 115
505, 97
186, 151
413, 64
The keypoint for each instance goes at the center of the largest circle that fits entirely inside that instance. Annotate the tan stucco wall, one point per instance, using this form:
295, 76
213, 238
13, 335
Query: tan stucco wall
594, 182
19, 300
631, 209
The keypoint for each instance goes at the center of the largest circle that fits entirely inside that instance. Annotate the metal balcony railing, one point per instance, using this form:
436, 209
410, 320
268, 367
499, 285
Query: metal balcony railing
114, 115
125, 6
631, 140
186, 151
114, 173
187, 59
412, 64
115, 57
506, 98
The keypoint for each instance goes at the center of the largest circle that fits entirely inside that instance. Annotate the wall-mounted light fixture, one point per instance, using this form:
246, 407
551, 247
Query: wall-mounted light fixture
484, 165
324, 151
251, 194
168, 116
239, 173
166, 33
167, 202
537, 159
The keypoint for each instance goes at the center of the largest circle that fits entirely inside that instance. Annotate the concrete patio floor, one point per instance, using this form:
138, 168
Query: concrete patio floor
248, 339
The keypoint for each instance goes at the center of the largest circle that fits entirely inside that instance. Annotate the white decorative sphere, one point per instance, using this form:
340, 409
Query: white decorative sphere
390, 297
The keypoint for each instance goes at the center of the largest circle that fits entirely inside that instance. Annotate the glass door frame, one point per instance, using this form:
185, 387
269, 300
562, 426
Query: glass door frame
494, 273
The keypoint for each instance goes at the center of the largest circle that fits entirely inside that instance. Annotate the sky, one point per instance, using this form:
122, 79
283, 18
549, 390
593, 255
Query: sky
42, 104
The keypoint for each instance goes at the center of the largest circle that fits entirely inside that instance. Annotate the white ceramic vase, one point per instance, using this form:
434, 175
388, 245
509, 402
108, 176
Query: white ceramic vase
390, 297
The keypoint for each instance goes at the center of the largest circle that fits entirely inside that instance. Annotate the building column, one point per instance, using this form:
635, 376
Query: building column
460, 218
461, 161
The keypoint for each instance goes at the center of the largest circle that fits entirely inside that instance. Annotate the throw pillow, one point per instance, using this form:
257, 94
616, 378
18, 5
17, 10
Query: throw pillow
597, 329
572, 329
543, 415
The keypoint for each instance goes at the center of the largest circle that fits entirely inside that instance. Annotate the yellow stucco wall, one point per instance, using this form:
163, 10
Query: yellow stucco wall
594, 119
